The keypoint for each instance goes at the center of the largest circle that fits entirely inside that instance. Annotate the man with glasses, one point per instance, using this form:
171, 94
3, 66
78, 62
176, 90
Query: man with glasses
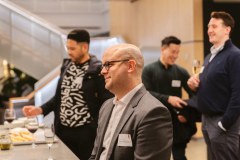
165, 80
79, 96
133, 124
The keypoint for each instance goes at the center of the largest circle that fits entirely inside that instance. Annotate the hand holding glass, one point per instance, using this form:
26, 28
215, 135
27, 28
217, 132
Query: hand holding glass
196, 66
49, 138
32, 126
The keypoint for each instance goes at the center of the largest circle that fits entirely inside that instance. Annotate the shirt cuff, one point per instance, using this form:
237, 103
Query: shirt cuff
221, 126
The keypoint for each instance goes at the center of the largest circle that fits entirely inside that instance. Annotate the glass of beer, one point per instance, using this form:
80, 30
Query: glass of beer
5, 142
196, 66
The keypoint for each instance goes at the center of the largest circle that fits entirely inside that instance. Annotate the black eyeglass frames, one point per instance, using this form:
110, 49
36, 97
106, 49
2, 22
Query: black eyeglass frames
108, 64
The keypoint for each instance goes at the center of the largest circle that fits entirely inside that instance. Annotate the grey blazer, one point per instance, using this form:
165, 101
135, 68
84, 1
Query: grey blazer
146, 120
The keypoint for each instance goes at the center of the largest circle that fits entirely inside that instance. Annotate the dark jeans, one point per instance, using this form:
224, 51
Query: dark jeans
79, 140
178, 151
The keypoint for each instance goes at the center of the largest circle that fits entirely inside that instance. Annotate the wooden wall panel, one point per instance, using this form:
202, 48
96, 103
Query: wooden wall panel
146, 22
123, 20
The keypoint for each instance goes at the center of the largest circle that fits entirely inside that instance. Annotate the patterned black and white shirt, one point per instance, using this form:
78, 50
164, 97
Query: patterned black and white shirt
74, 111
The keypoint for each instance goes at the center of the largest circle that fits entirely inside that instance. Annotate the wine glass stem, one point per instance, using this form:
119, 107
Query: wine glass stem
49, 153
33, 143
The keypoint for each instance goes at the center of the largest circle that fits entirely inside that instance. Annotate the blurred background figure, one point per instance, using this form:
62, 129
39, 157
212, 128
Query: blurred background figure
79, 95
165, 80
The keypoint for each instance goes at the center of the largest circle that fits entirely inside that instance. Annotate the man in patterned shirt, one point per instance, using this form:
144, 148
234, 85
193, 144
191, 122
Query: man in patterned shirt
79, 96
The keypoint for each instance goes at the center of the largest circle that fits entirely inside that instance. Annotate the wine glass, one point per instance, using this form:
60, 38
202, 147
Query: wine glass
196, 66
49, 135
32, 126
9, 116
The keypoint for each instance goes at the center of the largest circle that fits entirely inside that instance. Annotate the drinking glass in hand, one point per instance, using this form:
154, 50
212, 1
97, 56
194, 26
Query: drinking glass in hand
32, 126
9, 115
196, 66
49, 138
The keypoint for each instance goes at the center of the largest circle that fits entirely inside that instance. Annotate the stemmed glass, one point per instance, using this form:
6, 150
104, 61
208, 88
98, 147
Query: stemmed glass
49, 134
9, 116
196, 66
32, 126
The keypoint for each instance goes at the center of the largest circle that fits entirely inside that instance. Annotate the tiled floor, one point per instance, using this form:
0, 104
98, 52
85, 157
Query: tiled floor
196, 149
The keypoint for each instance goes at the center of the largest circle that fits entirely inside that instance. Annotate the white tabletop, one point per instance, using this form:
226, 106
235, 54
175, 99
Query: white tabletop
59, 151
25, 152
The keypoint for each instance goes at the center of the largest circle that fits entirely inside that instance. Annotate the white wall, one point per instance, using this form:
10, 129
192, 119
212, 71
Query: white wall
90, 14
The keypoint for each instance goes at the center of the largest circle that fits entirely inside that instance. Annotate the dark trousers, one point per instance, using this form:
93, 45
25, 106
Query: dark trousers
221, 145
79, 140
178, 151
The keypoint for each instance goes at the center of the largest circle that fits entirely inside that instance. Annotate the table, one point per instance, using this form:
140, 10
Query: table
59, 151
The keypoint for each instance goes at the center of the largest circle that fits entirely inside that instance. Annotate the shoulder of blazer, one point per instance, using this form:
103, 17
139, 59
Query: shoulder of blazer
106, 104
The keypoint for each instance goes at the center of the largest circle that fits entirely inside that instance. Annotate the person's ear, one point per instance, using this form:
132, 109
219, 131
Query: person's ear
163, 48
228, 30
85, 47
132, 65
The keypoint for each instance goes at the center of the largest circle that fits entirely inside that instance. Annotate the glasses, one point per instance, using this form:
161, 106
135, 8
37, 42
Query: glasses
109, 64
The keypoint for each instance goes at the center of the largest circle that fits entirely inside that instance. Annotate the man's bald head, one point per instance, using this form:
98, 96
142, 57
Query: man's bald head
127, 51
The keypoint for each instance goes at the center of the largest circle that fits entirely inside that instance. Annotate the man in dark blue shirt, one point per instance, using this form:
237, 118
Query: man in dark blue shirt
218, 90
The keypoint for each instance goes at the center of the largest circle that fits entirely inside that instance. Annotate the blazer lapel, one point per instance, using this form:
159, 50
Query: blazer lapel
106, 117
125, 116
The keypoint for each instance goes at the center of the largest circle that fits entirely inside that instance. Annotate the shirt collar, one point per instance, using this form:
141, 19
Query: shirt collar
126, 99
162, 65
215, 50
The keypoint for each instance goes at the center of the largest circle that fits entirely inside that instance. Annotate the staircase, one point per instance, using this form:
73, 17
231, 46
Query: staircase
28, 42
